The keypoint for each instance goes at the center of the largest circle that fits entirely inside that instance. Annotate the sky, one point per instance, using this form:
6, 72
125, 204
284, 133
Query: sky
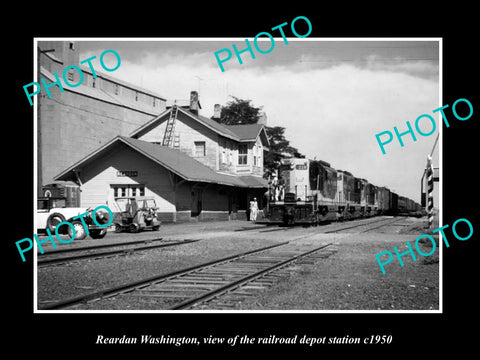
331, 95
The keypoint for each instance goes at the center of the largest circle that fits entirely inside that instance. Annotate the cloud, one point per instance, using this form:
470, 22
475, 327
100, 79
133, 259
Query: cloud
424, 68
330, 112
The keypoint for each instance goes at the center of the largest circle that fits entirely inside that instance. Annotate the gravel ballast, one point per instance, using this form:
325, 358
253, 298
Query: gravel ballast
348, 278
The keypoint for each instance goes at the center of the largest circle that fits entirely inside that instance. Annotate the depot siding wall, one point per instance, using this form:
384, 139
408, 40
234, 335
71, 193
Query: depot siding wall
188, 131
214, 199
215, 204
101, 174
257, 157
175, 198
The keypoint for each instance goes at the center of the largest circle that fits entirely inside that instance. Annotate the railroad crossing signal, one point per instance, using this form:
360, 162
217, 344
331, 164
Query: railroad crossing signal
429, 173
430, 191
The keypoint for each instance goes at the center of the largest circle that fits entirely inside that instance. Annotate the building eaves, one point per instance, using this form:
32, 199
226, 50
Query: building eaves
173, 160
189, 168
121, 82
209, 123
248, 132
240, 133
217, 127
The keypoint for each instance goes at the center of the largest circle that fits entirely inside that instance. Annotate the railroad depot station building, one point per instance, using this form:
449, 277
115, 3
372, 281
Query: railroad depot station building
107, 139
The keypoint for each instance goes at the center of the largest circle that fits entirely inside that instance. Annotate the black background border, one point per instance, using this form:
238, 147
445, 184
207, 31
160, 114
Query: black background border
65, 334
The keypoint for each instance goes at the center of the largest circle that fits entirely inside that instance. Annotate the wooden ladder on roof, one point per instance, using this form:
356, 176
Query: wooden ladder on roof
170, 128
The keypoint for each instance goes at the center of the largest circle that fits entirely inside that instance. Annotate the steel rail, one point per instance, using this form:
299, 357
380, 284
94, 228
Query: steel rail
389, 223
278, 229
244, 280
251, 228
44, 262
147, 281
94, 247
354, 226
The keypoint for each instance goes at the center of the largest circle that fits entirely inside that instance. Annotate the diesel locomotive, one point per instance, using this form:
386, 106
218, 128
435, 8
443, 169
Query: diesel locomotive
311, 191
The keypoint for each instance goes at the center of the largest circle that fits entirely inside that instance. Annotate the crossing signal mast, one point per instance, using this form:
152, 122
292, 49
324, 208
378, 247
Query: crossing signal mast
430, 180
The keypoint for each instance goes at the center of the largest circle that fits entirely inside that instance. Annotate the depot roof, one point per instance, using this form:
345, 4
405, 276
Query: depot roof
173, 160
240, 133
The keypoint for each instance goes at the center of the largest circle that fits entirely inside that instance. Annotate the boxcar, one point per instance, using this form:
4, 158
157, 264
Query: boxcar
384, 200
393, 203
402, 205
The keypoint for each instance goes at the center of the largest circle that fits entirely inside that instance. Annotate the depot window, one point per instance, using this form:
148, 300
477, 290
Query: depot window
242, 154
199, 148
128, 190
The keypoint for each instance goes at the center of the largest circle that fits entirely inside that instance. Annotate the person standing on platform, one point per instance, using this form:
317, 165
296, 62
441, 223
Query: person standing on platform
253, 209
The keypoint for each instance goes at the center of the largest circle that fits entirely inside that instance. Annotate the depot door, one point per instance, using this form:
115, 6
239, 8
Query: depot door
196, 204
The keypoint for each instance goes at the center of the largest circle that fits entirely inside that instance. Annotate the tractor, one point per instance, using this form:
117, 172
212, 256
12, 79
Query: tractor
136, 213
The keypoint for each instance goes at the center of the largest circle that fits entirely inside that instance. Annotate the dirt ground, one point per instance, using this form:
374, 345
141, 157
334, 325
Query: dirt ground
348, 277
351, 278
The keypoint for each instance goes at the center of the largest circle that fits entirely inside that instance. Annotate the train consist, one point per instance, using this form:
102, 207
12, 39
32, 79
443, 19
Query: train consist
311, 191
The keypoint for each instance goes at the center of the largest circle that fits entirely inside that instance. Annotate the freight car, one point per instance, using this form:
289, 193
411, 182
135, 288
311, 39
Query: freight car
311, 191
407, 206
384, 200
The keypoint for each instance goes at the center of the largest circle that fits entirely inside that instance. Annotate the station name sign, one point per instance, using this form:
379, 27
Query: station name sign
130, 173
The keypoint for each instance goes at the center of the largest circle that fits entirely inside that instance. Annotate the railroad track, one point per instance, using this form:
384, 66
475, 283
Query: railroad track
251, 228
384, 222
51, 258
265, 228
197, 285
285, 228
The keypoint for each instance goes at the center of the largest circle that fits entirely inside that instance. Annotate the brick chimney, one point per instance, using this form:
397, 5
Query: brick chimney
194, 102
217, 110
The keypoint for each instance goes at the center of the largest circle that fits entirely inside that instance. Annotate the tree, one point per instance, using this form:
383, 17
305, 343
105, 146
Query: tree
239, 112
279, 149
